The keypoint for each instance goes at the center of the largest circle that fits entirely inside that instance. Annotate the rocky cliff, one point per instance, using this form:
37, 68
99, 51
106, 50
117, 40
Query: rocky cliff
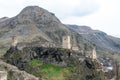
54, 63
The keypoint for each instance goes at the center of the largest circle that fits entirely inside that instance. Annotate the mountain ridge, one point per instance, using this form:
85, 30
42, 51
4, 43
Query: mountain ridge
97, 37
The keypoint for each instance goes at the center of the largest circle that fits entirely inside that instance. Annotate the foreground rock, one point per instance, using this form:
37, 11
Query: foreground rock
13, 73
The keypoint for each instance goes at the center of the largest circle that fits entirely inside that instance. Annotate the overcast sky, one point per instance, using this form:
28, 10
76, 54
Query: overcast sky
102, 15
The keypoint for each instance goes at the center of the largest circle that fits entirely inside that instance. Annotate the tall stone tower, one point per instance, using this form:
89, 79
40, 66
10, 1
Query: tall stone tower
14, 41
94, 56
66, 42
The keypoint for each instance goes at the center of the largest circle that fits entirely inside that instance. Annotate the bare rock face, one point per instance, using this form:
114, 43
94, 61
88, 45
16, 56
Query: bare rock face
13, 73
37, 15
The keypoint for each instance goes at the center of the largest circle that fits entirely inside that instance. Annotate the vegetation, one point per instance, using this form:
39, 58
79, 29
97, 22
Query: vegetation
35, 63
48, 71
53, 72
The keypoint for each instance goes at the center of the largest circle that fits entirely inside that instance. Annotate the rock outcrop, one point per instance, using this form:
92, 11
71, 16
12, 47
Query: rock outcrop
13, 73
54, 63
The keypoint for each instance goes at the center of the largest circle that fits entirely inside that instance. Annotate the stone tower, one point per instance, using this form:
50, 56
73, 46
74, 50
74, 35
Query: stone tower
14, 41
94, 56
66, 42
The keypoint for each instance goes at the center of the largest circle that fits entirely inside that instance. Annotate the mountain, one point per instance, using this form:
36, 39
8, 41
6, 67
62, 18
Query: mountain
31, 22
35, 25
97, 37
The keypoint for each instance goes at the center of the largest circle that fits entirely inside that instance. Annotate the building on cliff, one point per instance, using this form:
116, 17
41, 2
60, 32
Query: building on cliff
91, 54
66, 42
75, 47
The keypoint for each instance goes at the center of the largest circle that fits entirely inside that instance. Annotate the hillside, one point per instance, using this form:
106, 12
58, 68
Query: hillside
98, 38
54, 63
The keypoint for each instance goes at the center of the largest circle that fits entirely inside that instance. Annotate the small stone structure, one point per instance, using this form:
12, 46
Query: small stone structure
3, 75
66, 42
75, 47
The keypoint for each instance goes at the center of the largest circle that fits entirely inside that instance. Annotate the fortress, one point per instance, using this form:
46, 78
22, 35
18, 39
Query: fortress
66, 44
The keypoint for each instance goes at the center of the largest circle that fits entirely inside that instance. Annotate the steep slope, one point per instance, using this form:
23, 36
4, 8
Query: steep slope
98, 38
